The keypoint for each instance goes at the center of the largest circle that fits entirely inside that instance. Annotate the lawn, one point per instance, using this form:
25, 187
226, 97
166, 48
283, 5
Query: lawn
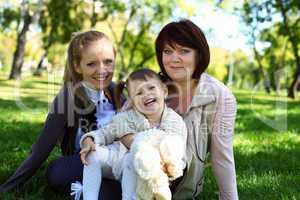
266, 143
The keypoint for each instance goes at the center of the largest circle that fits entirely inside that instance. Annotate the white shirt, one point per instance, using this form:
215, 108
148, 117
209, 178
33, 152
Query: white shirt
104, 110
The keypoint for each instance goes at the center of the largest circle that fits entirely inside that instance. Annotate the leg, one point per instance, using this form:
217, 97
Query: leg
128, 179
64, 171
93, 172
69, 169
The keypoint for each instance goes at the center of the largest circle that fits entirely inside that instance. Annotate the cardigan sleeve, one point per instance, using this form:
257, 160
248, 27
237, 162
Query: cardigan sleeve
222, 146
53, 130
121, 125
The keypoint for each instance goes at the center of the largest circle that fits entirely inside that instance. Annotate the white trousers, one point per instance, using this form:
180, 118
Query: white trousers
108, 162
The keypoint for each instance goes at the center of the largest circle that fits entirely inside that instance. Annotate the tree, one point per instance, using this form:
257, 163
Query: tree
58, 21
277, 55
289, 10
27, 19
251, 13
62, 18
134, 34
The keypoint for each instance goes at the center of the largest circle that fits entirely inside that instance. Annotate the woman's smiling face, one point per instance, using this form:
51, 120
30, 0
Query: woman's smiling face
179, 62
97, 64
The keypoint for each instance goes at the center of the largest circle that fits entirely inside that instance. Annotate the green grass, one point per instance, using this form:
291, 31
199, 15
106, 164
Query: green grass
266, 143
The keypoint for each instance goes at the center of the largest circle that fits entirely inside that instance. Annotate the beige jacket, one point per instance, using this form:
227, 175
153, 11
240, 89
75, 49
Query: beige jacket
133, 122
210, 124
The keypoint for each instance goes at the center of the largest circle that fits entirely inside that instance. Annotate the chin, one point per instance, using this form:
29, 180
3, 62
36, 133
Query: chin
102, 84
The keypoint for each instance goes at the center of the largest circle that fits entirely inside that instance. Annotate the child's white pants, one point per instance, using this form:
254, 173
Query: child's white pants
108, 162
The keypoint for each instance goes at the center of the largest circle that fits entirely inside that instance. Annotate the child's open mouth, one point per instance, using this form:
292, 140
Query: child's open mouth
150, 101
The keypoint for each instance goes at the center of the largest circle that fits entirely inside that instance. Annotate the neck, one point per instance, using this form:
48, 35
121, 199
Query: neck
186, 88
155, 118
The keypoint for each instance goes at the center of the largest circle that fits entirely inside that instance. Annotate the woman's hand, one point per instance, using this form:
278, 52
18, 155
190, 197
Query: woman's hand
127, 140
88, 145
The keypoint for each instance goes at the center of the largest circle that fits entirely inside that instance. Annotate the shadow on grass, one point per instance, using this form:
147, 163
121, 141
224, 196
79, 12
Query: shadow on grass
24, 103
274, 158
47, 82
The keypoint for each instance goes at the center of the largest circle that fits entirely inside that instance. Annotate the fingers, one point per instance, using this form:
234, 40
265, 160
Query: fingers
83, 154
93, 147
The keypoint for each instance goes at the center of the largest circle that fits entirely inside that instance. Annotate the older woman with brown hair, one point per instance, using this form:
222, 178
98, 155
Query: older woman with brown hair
206, 104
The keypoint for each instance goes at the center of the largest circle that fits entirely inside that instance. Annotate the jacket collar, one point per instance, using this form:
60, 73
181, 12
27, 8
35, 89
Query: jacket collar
145, 121
83, 96
204, 93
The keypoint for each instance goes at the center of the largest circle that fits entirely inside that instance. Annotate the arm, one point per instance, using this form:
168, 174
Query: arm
127, 140
53, 129
119, 127
222, 148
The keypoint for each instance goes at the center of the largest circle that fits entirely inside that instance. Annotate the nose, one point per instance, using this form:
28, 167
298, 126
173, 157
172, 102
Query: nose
175, 57
101, 67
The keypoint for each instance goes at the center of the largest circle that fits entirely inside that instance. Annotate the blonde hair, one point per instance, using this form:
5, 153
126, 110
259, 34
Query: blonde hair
78, 42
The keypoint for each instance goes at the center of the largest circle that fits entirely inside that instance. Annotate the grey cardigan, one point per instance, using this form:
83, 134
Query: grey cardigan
210, 123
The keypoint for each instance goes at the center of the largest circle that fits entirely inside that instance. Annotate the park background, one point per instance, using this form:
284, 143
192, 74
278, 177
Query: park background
254, 50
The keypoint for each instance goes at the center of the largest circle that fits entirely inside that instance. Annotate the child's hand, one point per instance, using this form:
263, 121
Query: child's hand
87, 147
164, 168
127, 140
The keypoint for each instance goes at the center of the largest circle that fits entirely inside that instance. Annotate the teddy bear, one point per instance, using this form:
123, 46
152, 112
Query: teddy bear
158, 158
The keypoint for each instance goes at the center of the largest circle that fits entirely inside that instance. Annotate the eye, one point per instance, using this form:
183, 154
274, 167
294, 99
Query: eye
184, 50
151, 87
167, 51
139, 93
108, 61
91, 64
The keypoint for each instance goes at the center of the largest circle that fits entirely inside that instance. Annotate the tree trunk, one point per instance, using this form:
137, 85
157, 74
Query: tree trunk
292, 91
18, 57
39, 69
266, 79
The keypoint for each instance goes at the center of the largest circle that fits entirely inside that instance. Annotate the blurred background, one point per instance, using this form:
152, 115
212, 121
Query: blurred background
253, 43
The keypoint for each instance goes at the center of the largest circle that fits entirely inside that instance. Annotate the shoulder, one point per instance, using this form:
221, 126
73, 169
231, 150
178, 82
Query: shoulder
211, 86
172, 117
172, 114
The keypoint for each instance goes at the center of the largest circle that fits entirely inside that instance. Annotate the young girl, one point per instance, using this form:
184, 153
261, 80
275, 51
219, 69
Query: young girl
147, 95
86, 102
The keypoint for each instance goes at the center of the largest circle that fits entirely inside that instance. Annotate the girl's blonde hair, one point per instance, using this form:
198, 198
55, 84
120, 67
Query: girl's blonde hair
78, 42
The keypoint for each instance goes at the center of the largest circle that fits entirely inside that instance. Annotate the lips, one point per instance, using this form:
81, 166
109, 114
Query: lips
101, 77
176, 67
149, 101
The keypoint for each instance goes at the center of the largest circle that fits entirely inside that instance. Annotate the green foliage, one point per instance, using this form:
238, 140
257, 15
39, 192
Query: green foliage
6, 49
217, 67
58, 20
134, 31
8, 16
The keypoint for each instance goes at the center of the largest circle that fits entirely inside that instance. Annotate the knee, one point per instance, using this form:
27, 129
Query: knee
93, 157
100, 154
53, 175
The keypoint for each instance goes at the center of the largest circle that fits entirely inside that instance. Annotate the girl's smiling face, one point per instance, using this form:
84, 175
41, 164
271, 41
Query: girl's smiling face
97, 64
148, 97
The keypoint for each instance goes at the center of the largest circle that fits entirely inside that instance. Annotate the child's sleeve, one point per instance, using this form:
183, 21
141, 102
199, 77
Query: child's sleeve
119, 127
174, 124
95, 135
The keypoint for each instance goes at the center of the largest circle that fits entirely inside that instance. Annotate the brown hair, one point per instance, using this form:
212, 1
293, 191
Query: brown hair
78, 42
142, 75
185, 33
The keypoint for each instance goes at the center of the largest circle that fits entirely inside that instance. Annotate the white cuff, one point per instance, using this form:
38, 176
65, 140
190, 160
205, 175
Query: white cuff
97, 136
